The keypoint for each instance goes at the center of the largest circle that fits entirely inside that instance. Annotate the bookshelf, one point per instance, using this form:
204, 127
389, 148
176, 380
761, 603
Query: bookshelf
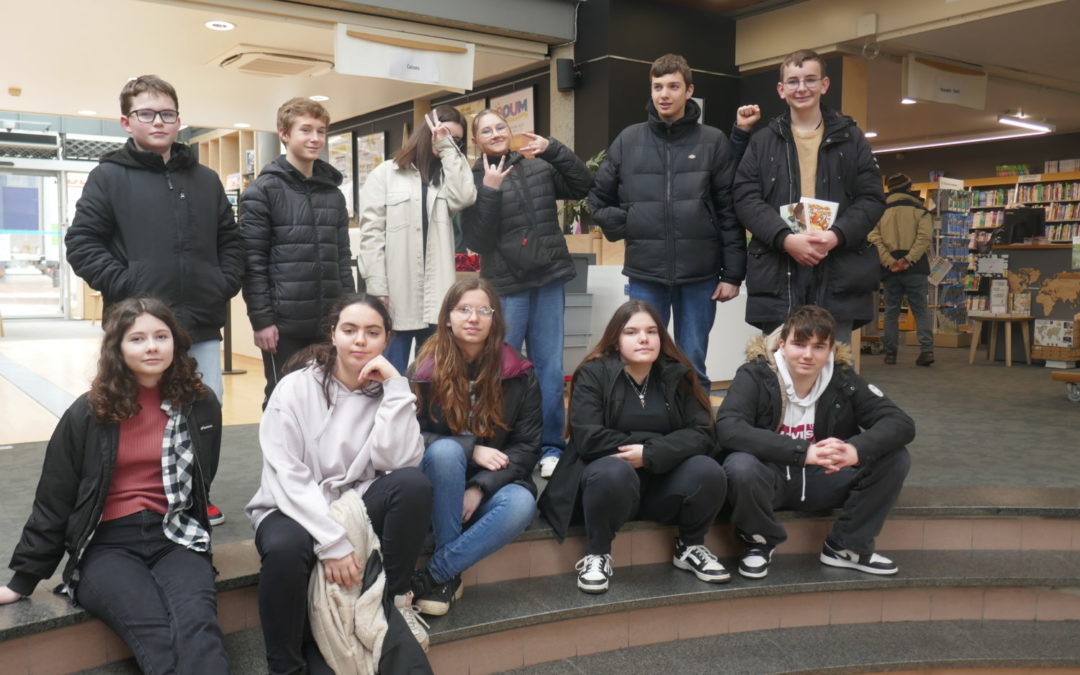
952, 226
1057, 193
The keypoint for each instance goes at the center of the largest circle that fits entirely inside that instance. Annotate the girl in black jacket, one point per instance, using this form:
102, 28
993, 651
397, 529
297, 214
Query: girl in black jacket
514, 226
479, 410
123, 493
641, 446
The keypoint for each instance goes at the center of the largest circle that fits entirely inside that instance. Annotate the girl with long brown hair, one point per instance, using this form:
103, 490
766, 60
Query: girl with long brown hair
407, 238
641, 447
479, 409
123, 491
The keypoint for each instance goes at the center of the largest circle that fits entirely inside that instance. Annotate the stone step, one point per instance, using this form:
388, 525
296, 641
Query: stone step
1014, 647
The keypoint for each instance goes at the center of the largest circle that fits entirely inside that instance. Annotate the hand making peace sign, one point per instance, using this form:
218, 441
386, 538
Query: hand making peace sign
438, 128
536, 145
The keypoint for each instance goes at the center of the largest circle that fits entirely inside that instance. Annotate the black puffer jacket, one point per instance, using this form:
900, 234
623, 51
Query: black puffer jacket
665, 187
296, 236
850, 409
768, 178
521, 413
595, 407
515, 229
75, 479
143, 228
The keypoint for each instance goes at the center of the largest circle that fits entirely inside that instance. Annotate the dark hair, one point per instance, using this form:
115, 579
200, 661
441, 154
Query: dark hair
298, 107
807, 322
323, 354
114, 393
672, 63
609, 346
450, 377
797, 58
141, 85
417, 150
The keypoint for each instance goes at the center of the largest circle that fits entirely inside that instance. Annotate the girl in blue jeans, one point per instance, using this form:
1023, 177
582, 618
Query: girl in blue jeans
480, 415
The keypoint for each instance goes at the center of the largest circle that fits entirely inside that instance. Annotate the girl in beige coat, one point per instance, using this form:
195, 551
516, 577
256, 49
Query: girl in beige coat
406, 227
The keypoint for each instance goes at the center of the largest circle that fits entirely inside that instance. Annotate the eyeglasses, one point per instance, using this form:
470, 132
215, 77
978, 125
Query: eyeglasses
146, 115
488, 132
810, 83
465, 311
459, 141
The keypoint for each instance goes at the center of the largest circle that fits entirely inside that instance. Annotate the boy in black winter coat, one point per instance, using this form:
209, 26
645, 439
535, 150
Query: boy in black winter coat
803, 432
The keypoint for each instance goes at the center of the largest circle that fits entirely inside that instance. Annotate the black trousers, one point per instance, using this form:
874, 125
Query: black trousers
865, 495
156, 595
274, 364
613, 492
399, 507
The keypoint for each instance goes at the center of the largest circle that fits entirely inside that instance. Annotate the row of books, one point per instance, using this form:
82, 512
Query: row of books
1049, 192
991, 197
983, 219
955, 201
1012, 170
955, 223
1063, 232
1061, 165
1067, 211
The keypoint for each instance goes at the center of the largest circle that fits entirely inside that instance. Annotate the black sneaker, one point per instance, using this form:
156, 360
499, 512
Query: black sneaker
755, 561
925, 358
433, 598
871, 563
701, 561
594, 572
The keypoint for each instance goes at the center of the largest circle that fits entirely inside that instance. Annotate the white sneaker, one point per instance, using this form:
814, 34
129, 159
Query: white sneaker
593, 573
700, 561
547, 466
417, 626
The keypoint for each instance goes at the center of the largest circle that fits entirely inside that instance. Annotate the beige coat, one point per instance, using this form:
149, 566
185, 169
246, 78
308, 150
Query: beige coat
392, 260
907, 227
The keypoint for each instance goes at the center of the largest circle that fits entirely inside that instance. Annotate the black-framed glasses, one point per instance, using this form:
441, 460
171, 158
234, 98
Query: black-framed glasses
459, 141
466, 311
146, 115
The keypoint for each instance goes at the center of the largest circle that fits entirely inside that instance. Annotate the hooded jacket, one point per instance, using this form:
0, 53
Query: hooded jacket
850, 409
595, 406
515, 229
145, 228
768, 178
75, 478
904, 231
521, 413
394, 261
296, 239
665, 187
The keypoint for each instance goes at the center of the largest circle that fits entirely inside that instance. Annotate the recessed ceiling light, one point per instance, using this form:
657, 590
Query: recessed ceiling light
870, 134
241, 125
319, 97
908, 101
220, 24
87, 112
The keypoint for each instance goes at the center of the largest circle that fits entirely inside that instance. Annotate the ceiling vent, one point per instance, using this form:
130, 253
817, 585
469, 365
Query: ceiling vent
270, 62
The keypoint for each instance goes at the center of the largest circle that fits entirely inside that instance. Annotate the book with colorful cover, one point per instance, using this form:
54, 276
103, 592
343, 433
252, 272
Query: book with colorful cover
809, 215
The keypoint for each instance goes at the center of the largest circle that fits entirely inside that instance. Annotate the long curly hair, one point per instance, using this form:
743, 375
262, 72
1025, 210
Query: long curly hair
323, 354
609, 346
114, 393
450, 375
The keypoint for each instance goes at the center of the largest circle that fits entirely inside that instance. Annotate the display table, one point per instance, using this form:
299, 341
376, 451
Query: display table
977, 321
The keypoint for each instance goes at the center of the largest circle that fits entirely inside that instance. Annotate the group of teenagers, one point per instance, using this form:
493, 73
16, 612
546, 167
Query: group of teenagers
364, 452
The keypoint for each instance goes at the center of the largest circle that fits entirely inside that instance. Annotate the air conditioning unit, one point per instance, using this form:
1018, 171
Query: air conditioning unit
933, 79
271, 62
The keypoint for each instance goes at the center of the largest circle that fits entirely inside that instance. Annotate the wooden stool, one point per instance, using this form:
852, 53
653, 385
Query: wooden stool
995, 319
1071, 378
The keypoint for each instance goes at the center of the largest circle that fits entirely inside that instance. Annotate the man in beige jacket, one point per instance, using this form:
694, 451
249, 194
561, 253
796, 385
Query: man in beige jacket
902, 238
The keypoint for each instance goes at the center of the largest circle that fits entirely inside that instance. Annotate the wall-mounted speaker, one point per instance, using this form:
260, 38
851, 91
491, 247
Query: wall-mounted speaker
566, 78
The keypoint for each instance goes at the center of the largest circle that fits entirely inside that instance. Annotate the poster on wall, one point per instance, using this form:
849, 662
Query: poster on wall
517, 108
340, 149
370, 153
470, 110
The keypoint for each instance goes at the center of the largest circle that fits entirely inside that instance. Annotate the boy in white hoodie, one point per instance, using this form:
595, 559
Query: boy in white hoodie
803, 432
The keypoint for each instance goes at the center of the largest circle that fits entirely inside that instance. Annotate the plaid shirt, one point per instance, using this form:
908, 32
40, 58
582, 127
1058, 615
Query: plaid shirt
177, 466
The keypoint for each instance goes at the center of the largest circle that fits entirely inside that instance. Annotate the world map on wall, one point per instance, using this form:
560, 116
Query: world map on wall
1063, 287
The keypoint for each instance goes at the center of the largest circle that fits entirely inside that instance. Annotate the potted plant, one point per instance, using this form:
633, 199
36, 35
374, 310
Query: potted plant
578, 209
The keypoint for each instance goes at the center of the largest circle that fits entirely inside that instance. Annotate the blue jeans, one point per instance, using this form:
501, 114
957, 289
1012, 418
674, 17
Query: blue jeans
695, 311
207, 355
401, 344
493, 525
915, 287
535, 318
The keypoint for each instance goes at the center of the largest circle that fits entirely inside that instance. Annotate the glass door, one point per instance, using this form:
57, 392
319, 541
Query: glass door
31, 245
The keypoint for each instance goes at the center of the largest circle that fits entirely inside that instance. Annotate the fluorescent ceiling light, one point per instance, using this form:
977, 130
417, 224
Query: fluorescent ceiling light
319, 97
242, 125
870, 134
220, 24
957, 141
1024, 124
87, 112
908, 101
